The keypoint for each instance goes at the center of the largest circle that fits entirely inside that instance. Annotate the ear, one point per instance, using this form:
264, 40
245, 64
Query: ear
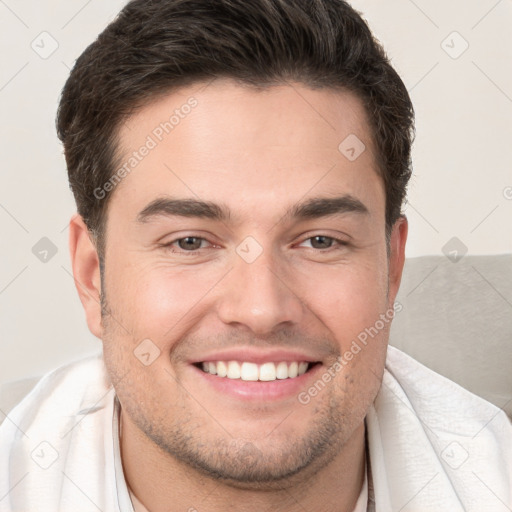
86, 272
397, 256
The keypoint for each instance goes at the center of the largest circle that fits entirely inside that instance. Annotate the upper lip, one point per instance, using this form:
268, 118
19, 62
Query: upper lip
258, 356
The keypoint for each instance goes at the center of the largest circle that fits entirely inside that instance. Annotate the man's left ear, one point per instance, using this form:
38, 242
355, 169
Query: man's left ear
397, 255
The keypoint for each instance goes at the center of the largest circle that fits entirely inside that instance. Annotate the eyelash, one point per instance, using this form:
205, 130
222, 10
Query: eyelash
337, 244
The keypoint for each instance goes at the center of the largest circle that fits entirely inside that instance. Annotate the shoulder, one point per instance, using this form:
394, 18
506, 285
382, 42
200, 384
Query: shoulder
66, 389
438, 400
60, 436
426, 431
434, 395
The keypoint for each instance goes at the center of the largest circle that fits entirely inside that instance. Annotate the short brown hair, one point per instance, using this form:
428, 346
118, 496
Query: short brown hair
156, 46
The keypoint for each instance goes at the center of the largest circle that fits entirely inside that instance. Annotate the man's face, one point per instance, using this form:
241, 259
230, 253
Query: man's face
285, 264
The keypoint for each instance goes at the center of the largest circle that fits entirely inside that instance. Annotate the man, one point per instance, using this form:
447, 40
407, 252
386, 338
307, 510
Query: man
239, 170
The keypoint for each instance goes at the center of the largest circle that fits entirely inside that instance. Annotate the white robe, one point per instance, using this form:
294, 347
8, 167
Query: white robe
433, 445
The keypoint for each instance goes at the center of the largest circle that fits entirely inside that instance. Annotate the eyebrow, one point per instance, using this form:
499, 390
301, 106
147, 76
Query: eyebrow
322, 207
166, 206
310, 209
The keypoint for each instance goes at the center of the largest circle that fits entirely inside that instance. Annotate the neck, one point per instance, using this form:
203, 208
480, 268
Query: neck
157, 479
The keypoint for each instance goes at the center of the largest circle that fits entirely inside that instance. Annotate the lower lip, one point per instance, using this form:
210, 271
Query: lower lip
262, 391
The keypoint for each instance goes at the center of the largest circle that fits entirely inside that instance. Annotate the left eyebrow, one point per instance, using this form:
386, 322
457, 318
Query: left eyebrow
322, 207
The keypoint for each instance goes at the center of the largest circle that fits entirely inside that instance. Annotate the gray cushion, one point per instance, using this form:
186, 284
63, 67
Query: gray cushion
457, 320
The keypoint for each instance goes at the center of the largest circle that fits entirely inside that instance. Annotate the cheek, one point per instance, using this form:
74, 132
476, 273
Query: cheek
347, 299
349, 302
158, 301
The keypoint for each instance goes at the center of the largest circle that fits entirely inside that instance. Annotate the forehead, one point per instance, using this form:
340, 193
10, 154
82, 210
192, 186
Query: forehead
248, 146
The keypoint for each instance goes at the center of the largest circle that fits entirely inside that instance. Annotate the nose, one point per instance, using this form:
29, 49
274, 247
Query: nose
260, 296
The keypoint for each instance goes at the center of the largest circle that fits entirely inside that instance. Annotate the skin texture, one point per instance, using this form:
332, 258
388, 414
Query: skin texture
258, 153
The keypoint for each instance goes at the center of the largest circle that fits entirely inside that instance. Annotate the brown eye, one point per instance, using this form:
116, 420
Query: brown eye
321, 242
190, 243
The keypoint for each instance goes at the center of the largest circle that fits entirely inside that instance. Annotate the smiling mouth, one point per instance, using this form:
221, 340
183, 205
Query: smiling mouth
248, 371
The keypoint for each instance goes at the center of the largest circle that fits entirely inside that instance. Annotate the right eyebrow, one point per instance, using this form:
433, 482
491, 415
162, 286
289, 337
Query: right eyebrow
168, 206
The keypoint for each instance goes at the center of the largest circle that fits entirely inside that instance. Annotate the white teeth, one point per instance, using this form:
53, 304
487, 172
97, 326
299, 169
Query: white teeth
293, 370
268, 371
249, 371
252, 372
222, 369
282, 371
302, 368
233, 370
